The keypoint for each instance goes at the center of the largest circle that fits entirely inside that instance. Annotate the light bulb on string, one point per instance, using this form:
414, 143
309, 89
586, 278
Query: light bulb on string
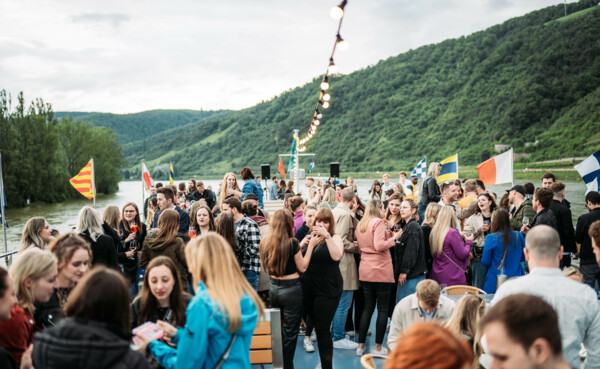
332, 68
337, 12
310, 135
326, 97
341, 43
325, 104
317, 122
319, 115
325, 84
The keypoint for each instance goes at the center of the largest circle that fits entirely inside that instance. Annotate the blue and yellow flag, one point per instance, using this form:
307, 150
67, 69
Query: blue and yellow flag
449, 169
171, 174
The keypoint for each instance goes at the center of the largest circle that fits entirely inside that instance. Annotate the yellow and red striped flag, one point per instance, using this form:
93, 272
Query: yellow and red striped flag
83, 181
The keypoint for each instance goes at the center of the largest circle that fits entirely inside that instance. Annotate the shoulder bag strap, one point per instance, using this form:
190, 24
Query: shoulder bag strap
501, 266
226, 353
452, 261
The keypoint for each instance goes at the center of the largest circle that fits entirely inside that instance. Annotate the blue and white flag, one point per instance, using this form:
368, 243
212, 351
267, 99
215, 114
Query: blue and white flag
589, 169
421, 169
311, 165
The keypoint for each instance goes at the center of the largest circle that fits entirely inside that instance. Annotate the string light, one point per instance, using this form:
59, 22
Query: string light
324, 97
337, 12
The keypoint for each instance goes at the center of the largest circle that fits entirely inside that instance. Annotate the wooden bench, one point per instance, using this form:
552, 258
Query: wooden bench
272, 206
266, 346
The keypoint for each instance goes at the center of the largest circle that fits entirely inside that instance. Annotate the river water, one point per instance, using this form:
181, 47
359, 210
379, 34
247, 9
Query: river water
63, 216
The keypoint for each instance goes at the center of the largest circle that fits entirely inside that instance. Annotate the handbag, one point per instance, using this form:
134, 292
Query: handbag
225, 354
501, 278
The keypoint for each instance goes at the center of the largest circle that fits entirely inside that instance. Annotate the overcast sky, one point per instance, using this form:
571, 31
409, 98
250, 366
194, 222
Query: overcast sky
127, 56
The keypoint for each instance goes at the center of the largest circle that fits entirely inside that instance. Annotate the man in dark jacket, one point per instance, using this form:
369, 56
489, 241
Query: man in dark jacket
564, 222
522, 207
542, 199
166, 199
588, 266
206, 194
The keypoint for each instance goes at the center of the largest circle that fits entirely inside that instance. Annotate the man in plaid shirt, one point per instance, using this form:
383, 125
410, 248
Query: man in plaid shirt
248, 239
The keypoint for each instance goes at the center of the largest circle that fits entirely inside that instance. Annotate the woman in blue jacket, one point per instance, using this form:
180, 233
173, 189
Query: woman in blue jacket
500, 242
220, 318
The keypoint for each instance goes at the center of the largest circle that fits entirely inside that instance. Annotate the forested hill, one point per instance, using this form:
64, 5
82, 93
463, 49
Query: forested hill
136, 126
532, 82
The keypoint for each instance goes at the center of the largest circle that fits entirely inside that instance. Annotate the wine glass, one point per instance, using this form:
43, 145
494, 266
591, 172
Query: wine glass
132, 244
525, 221
192, 232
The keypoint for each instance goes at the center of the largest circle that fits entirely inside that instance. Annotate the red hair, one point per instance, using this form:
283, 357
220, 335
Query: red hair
430, 346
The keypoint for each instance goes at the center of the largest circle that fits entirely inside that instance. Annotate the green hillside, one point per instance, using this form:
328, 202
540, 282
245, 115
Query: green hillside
136, 126
531, 82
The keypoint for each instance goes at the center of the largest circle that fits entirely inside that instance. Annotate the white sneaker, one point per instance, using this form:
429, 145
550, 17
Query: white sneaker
313, 336
382, 352
350, 334
308, 346
360, 351
345, 344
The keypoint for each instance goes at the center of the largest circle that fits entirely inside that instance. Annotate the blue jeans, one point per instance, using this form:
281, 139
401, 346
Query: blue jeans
479, 272
339, 319
590, 275
410, 287
252, 278
421, 212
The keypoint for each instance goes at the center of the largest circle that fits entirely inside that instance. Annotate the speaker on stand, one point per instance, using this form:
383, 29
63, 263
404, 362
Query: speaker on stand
334, 170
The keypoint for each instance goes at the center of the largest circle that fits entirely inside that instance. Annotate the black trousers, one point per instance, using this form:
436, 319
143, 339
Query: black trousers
376, 293
287, 296
321, 308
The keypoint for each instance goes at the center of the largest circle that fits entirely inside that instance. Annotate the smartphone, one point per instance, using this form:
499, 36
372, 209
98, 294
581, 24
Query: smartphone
397, 227
149, 330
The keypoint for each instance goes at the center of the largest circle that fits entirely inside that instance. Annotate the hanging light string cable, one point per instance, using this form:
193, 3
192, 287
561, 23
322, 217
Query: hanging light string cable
336, 12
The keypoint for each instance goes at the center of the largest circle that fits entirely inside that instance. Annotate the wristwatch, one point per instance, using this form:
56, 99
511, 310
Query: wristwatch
328, 236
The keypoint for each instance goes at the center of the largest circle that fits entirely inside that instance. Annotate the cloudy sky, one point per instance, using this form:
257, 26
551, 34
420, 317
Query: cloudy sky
127, 56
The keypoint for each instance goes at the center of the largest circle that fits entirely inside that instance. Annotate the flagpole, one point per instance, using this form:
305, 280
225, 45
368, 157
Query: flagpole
297, 170
93, 184
2, 195
457, 172
512, 167
143, 188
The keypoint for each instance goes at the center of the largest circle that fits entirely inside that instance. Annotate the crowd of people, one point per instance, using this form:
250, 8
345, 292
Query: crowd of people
202, 266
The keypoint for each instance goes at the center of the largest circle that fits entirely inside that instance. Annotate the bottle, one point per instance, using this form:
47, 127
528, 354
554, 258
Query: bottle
141, 281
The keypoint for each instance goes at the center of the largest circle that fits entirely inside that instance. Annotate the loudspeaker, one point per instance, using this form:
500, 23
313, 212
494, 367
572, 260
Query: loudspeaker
265, 171
334, 170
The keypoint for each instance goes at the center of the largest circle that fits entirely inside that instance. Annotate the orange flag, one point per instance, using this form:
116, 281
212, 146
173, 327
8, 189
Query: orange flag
281, 170
83, 181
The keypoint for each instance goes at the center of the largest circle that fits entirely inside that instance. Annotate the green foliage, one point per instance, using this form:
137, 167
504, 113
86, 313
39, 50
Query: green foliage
41, 153
529, 79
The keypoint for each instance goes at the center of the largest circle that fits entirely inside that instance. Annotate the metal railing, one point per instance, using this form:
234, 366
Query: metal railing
7, 257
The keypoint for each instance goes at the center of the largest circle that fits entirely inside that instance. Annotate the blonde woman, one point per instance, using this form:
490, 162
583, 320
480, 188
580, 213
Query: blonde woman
34, 273
166, 242
89, 227
73, 255
430, 190
229, 187
350, 183
36, 234
450, 253
464, 323
329, 199
111, 216
430, 217
225, 310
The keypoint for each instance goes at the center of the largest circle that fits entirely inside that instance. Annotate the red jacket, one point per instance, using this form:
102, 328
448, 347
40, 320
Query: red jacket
16, 334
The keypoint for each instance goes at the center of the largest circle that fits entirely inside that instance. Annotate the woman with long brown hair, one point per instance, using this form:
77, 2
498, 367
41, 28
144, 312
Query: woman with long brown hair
502, 251
166, 242
133, 234
222, 314
281, 258
202, 219
226, 228
322, 281
479, 225
161, 297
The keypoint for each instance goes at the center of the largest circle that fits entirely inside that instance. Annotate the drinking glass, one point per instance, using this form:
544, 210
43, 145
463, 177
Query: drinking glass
526, 221
192, 232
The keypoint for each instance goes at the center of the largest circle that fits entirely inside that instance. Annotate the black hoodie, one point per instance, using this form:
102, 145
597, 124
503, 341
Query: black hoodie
85, 344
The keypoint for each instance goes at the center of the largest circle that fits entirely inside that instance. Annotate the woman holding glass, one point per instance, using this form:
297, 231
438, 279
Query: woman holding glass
133, 233
478, 224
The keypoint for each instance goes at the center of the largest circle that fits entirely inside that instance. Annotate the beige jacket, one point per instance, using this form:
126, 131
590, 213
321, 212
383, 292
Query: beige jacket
345, 224
407, 312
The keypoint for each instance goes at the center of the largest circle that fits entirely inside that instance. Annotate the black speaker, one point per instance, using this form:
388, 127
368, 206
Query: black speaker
265, 171
334, 170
